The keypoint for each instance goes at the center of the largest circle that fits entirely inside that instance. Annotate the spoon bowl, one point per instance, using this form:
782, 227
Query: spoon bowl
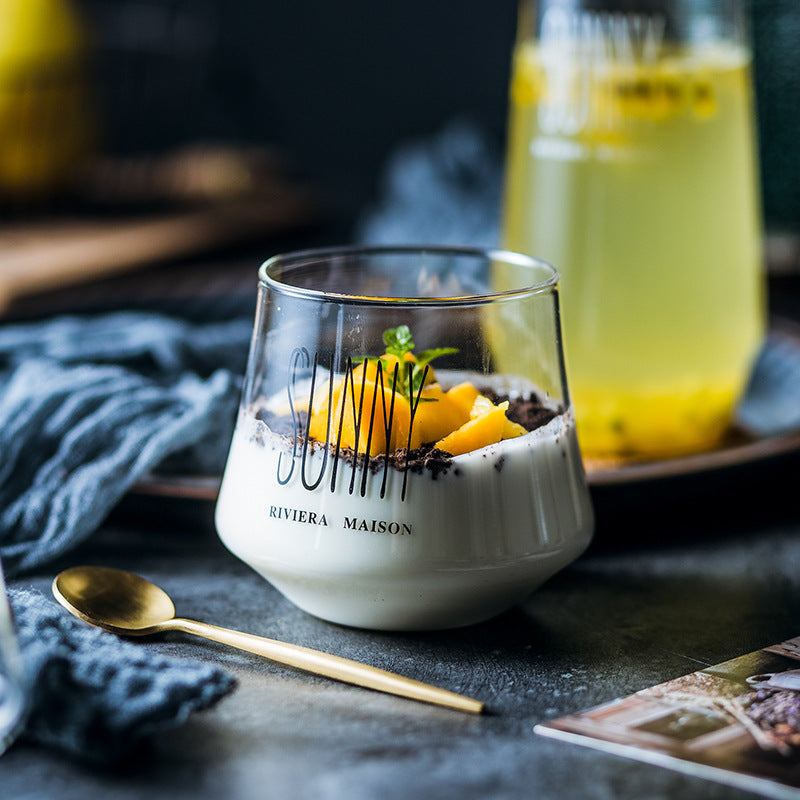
113, 599
128, 604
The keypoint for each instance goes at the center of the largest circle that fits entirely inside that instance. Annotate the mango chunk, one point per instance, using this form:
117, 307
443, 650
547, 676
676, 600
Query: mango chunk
437, 414
318, 424
358, 405
476, 433
388, 364
463, 394
365, 420
513, 429
458, 420
372, 407
482, 405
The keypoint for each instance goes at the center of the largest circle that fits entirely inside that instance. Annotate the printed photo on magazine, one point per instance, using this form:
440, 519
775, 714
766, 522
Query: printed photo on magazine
737, 723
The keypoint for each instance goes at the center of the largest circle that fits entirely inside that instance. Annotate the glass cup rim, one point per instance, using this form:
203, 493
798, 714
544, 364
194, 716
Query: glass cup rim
304, 257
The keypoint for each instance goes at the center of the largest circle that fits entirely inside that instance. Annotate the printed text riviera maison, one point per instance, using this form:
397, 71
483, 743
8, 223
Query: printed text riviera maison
348, 523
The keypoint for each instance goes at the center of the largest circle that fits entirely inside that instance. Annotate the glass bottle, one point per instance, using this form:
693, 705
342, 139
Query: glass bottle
631, 164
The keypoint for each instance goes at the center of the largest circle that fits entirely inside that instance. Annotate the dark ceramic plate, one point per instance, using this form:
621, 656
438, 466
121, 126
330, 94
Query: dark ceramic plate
768, 427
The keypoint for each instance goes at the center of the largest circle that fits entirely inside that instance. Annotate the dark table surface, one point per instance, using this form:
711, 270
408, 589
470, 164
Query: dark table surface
682, 574
665, 590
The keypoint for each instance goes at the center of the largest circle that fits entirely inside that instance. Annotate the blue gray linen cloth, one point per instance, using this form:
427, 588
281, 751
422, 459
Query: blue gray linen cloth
95, 696
90, 405
87, 407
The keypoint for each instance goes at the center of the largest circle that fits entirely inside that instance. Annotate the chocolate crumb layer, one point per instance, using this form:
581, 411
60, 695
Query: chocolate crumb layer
429, 458
528, 411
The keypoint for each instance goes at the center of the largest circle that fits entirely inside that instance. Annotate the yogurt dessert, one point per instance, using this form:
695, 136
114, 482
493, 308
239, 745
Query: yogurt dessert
399, 497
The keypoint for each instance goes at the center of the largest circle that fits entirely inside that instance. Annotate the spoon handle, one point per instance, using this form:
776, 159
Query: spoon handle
331, 666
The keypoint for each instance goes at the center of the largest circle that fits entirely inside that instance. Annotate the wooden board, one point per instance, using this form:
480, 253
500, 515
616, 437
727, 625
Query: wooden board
63, 249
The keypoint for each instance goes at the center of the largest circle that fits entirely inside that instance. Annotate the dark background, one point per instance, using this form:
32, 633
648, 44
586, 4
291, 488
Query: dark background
335, 85
338, 85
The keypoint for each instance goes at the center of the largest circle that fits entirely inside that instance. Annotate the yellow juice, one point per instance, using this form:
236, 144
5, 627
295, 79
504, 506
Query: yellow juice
637, 179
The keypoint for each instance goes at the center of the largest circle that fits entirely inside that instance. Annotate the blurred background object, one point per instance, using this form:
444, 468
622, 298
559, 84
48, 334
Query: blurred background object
335, 86
331, 92
631, 165
339, 86
46, 121
776, 33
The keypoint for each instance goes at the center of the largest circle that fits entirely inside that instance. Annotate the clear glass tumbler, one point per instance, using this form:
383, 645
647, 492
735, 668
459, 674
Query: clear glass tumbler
12, 681
631, 164
405, 455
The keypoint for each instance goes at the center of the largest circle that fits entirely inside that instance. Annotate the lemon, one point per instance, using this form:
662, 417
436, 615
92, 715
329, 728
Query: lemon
45, 127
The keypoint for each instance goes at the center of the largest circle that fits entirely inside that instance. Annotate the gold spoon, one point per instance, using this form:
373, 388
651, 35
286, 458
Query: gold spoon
127, 604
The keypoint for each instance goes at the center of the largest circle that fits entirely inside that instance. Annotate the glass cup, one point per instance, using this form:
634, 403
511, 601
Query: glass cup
12, 683
631, 163
405, 454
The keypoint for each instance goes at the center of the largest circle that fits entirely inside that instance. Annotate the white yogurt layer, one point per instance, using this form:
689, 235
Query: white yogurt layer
458, 548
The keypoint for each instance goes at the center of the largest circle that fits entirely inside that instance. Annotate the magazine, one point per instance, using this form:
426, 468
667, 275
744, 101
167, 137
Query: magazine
737, 723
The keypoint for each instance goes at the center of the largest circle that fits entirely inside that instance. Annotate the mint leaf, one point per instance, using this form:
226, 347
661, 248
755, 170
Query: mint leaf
398, 341
427, 356
417, 376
